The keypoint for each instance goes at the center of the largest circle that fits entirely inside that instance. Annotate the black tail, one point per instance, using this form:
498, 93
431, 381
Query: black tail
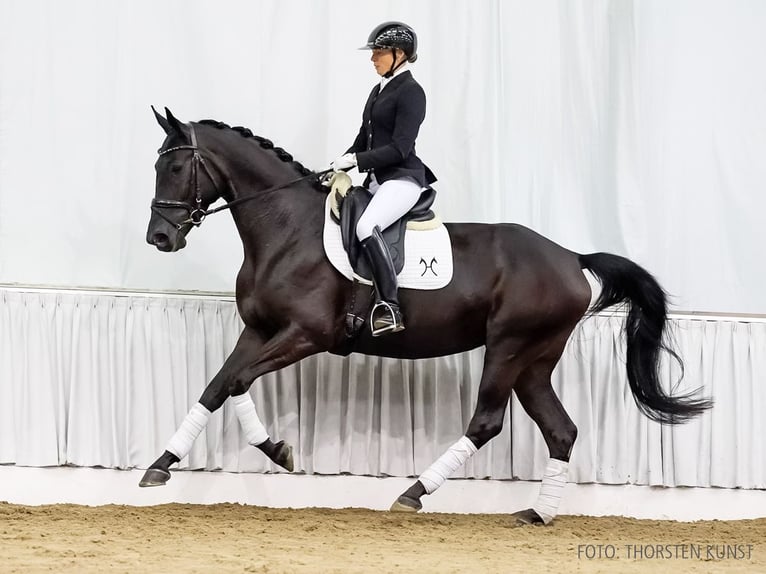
622, 281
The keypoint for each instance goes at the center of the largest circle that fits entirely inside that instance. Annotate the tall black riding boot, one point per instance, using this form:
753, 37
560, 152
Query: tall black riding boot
386, 316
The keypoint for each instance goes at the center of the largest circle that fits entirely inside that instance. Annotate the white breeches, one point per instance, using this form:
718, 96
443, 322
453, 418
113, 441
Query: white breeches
390, 201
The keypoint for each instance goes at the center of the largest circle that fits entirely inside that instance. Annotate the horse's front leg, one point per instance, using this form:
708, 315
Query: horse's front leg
250, 359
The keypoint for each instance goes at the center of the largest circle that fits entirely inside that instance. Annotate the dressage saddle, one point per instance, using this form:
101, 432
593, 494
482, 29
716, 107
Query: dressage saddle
351, 202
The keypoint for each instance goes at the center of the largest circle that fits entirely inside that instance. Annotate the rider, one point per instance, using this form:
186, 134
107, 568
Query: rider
385, 149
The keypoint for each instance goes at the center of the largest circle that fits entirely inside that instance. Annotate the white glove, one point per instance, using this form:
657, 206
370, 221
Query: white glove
344, 162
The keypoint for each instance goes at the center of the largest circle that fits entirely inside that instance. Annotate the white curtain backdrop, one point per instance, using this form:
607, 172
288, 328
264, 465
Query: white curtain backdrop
102, 380
632, 127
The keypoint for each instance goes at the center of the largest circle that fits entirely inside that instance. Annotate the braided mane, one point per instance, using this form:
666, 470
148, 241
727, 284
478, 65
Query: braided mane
265, 144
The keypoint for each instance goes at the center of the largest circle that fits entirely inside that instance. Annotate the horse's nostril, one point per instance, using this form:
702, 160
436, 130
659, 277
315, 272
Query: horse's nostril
159, 239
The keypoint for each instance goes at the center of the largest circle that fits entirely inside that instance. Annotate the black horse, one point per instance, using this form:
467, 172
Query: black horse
514, 291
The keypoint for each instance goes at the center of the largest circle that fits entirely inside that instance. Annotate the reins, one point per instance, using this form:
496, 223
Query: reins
235, 202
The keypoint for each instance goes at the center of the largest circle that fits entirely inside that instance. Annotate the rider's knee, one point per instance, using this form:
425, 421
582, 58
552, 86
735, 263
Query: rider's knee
364, 228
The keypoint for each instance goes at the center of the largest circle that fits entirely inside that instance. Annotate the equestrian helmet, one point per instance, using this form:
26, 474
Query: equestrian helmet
394, 35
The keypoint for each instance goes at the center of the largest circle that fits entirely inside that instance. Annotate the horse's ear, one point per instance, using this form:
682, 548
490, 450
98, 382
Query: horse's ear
174, 123
164, 124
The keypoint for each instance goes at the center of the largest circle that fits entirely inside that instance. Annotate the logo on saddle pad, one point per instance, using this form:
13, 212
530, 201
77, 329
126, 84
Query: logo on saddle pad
428, 266
422, 254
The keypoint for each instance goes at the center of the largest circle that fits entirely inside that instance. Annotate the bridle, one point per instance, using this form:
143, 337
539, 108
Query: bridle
197, 213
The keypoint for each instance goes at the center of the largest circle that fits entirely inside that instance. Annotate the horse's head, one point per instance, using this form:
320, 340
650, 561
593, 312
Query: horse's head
184, 189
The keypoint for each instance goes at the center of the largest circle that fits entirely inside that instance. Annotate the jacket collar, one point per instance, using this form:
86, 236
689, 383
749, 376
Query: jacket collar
398, 75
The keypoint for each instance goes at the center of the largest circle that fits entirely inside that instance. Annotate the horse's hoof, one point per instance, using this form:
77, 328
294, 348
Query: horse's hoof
527, 517
154, 477
406, 504
283, 455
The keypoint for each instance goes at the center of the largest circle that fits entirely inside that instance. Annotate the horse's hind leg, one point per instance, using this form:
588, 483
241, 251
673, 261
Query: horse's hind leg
502, 364
250, 359
536, 396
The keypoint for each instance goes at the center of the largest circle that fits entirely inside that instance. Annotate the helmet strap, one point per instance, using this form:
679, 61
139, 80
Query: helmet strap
394, 65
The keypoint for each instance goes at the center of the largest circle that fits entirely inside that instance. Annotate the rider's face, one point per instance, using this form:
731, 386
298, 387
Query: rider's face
383, 59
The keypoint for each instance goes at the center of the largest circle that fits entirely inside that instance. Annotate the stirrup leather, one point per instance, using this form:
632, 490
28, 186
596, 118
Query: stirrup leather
385, 318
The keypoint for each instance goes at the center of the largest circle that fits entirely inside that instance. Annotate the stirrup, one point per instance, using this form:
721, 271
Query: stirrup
389, 322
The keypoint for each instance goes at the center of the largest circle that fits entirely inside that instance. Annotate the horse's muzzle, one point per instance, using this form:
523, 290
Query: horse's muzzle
164, 243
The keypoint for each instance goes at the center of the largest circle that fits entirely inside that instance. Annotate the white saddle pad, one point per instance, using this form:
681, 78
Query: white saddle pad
427, 255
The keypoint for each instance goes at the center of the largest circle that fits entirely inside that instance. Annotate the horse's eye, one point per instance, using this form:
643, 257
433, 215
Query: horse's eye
176, 167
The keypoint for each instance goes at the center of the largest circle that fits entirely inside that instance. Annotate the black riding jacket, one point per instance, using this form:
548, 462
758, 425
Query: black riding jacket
391, 119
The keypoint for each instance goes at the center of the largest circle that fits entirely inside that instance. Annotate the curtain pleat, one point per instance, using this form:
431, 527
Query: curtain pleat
103, 380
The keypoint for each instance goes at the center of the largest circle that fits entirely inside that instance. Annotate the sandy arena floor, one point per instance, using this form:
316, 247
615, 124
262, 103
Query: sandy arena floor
234, 538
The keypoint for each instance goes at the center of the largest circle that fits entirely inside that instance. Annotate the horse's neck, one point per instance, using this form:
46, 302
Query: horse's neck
268, 224
274, 223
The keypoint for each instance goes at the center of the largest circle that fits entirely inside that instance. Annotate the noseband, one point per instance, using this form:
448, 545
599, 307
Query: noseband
196, 213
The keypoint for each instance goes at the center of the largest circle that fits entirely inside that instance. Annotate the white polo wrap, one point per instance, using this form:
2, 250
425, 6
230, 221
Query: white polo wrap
551, 489
181, 442
448, 463
255, 432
